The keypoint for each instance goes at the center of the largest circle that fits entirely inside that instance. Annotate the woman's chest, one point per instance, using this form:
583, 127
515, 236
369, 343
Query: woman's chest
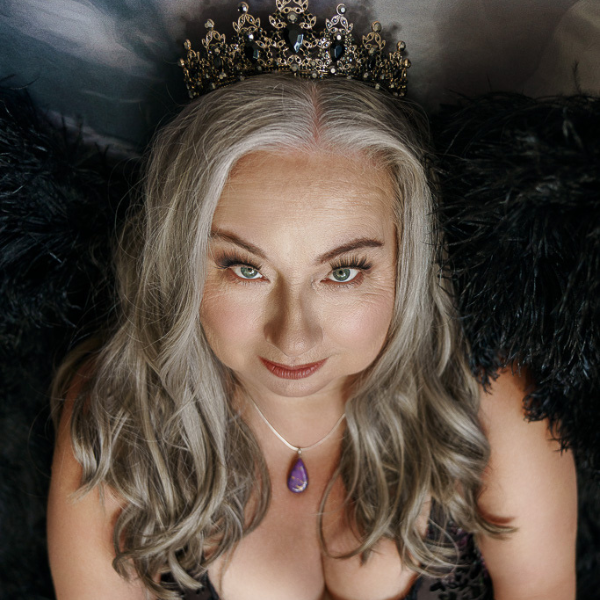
283, 558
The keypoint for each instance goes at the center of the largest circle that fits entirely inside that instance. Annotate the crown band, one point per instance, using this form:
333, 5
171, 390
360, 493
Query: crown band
293, 46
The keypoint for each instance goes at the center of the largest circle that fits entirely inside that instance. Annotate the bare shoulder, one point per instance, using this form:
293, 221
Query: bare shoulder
80, 529
531, 485
505, 395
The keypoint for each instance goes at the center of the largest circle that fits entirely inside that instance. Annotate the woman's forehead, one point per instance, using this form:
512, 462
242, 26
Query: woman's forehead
300, 205
319, 181
264, 160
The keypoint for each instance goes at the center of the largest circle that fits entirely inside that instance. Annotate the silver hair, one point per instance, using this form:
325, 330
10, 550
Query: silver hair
155, 425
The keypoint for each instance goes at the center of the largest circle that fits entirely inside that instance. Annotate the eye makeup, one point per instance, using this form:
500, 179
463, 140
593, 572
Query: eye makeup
352, 262
226, 261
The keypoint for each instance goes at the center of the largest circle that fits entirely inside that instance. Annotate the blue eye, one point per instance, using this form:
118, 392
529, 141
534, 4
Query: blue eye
343, 274
246, 272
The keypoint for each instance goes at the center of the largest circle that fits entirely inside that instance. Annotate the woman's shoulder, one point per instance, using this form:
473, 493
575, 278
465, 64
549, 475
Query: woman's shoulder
505, 394
522, 451
529, 484
65, 466
80, 526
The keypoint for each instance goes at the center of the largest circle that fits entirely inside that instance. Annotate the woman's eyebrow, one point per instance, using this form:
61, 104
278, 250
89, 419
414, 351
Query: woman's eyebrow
351, 246
234, 239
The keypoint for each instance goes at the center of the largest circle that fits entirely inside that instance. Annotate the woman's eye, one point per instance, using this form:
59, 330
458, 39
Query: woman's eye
343, 274
245, 272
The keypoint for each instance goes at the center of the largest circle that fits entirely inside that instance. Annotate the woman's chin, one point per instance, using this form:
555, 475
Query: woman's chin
271, 384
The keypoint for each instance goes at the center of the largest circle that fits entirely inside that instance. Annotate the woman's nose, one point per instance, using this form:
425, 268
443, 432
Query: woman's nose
293, 324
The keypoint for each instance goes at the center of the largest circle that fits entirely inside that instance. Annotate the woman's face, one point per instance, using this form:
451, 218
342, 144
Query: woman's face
301, 271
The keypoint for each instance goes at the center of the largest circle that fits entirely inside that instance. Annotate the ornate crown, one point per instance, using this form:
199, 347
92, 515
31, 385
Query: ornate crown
293, 46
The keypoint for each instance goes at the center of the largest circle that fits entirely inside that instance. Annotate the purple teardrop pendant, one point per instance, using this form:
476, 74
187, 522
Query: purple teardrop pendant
298, 480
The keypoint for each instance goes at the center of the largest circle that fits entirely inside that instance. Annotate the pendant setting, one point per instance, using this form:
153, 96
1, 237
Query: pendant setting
298, 479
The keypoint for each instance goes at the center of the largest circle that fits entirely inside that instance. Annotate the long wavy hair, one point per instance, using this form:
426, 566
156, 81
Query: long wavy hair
154, 422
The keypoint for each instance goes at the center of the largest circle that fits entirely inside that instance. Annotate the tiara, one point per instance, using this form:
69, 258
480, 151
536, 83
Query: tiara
293, 46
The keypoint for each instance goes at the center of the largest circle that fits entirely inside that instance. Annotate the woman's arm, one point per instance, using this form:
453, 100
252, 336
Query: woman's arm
531, 485
80, 531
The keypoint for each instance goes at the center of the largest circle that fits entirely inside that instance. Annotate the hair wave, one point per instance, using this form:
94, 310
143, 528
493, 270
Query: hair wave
154, 423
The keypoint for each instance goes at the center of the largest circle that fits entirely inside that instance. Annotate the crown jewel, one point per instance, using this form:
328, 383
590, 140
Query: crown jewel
293, 46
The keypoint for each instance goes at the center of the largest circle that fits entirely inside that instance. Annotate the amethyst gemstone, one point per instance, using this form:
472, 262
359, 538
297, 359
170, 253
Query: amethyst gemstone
298, 479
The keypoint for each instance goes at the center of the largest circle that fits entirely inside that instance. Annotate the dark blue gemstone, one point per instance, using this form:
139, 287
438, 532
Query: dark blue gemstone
294, 36
251, 51
337, 51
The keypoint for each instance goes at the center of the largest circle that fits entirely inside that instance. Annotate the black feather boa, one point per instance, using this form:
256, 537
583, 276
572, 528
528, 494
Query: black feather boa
520, 188
59, 206
520, 185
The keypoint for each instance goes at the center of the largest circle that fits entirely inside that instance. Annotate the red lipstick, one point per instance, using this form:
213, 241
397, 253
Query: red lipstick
286, 372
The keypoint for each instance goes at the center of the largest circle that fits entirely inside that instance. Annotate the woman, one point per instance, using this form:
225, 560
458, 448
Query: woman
280, 300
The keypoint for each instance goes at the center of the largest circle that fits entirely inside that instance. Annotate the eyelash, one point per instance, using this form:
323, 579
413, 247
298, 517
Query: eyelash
230, 260
353, 262
227, 261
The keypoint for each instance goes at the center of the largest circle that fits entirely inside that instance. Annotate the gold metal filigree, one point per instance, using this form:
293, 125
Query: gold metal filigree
293, 46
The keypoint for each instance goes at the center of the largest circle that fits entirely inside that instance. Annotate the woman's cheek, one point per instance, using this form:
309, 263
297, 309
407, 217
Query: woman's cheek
365, 321
375, 318
229, 320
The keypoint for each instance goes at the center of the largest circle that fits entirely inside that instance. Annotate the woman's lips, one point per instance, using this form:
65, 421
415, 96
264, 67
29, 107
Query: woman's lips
287, 372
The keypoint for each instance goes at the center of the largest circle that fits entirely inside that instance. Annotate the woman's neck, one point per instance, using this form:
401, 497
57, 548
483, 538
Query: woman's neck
302, 422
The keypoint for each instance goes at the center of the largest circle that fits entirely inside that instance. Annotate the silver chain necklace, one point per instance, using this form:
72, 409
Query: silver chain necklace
298, 478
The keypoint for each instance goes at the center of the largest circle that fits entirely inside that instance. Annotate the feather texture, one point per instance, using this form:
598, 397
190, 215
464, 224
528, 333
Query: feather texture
59, 205
520, 183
